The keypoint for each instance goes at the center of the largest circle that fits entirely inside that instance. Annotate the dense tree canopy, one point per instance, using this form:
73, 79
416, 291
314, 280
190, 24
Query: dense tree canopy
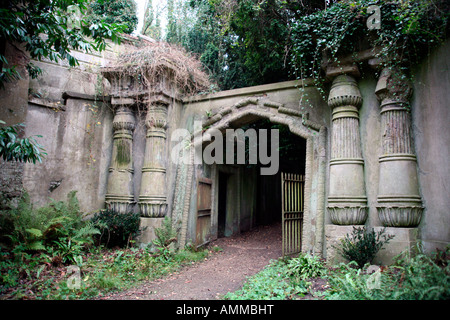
114, 12
251, 42
50, 29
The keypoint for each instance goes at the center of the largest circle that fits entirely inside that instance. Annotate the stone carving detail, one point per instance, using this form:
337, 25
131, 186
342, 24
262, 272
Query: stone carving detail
153, 194
399, 202
347, 198
348, 215
402, 217
119, 196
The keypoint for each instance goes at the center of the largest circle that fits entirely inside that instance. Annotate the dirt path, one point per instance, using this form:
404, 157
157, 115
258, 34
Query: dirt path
225, 271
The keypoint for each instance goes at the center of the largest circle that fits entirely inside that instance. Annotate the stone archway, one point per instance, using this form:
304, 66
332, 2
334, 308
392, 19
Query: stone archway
253, 108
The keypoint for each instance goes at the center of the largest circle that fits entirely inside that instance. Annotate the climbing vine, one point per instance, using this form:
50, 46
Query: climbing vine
407, 31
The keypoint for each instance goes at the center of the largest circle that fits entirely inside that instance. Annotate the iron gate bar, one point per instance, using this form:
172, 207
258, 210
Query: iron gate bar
292, 188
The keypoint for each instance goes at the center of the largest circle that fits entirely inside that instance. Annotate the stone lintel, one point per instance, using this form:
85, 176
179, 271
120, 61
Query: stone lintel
334, 70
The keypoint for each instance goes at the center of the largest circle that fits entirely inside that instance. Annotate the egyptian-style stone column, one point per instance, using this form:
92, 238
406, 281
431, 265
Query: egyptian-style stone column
347, 201
153, 194
119, 195
399, 202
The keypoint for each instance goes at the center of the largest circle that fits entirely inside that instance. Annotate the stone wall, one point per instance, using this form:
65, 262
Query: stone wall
67, 106
431, 125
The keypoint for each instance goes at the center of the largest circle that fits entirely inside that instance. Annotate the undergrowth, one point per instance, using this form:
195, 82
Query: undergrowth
418, 277
42, 250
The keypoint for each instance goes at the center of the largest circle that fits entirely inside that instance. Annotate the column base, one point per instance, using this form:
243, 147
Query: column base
404, 241
333, 235
148, 235
153, 209
348, 215
400, 216
120, 204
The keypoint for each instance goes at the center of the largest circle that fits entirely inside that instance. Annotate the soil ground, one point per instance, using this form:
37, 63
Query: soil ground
224, 271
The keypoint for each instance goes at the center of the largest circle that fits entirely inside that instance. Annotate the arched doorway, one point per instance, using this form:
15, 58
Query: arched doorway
247, 112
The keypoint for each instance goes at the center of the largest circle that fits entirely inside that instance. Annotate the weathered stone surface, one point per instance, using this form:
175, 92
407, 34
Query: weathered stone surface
399, 201
347, 199
119, 196
153, 194
149, 225
333, 236
405, 241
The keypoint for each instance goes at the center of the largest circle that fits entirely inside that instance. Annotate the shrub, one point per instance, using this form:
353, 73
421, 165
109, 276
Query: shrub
116, 229
362, 245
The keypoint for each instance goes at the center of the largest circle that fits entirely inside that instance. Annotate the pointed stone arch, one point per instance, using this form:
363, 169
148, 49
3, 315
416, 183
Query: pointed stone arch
251, 109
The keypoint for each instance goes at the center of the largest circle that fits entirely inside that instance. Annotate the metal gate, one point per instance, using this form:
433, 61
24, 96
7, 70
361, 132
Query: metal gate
292, 188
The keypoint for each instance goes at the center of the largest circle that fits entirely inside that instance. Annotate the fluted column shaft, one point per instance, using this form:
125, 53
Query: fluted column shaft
347, 201
399, 202
153, 194
119, 195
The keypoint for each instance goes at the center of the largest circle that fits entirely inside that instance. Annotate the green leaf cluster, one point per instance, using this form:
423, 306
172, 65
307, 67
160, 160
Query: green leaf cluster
58, 229
14, 148
110, 12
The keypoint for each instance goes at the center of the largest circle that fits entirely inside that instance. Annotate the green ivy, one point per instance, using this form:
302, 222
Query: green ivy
408, 30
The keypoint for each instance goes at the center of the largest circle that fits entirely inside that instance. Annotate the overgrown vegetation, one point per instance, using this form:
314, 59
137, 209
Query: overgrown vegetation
419, 277
25, 23
151, 64
40, 246
251, 42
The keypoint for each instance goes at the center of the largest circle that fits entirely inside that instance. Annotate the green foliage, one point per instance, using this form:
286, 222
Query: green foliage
306, 266
64, 31
120, 12
253, 42
362, 245
272, 283
409, 29
116, 229
421, 277
165, 236
13, 148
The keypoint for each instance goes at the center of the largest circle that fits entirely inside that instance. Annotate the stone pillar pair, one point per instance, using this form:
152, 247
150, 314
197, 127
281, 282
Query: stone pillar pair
153, 194
399, 202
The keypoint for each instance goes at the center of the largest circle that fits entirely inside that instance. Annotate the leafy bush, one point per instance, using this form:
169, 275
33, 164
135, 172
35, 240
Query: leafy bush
362, 245
116, 229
